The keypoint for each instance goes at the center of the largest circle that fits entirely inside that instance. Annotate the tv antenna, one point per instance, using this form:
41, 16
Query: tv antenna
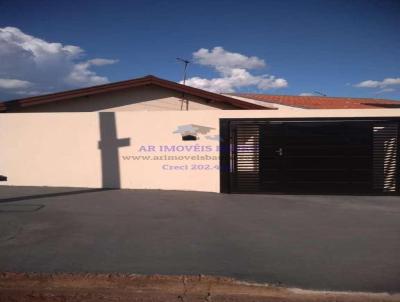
319, 93
186, 63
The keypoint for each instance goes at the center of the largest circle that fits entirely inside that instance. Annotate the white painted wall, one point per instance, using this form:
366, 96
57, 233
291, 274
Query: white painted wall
61, 149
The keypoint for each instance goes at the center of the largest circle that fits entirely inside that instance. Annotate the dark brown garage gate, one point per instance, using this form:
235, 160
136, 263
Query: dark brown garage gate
316, 156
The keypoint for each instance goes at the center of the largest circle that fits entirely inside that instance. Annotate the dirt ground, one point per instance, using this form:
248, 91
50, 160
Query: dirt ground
119, 287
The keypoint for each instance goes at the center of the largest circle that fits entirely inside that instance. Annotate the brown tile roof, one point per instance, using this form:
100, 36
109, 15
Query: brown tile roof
320, 102
14, 105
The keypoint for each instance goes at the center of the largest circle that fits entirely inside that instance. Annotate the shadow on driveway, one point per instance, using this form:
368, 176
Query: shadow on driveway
48, 195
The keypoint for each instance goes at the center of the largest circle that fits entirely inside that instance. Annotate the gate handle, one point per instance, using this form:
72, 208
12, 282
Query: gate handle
279, 151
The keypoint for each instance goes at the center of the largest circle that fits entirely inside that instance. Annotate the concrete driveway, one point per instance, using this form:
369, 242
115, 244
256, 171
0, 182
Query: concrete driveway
319, 242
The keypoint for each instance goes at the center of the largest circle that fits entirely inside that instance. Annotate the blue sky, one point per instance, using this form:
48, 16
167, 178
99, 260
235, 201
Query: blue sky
281, 47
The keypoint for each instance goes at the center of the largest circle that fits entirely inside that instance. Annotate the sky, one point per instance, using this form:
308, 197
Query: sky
336, 48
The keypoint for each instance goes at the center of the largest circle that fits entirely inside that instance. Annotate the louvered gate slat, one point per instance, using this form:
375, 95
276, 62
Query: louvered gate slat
365, 161
245, 165
385, 157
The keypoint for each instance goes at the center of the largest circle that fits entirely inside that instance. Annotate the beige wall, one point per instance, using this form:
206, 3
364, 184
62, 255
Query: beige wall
47, 149
148, 98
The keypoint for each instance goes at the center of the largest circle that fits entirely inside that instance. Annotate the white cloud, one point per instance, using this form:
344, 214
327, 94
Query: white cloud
46, 66
13, 84
81, 72
233, 70
385, 90
306, 94
379, 84
388, 90
31, 92
221, 59
101, 62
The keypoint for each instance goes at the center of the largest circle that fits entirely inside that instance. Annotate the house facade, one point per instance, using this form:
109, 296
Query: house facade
150, 133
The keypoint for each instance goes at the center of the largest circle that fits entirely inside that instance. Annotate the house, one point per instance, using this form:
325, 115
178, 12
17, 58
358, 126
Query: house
150, 133
150, 93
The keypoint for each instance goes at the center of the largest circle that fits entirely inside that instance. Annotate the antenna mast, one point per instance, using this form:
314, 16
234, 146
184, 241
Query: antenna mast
186, 63
320, 93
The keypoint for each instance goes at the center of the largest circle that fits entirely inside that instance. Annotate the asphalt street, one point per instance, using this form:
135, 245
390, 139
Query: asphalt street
314, 242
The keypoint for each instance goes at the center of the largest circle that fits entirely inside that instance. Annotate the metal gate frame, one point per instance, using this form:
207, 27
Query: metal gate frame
226, 147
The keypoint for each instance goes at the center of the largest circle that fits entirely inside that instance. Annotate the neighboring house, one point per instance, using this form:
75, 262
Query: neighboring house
149, 133
317, 102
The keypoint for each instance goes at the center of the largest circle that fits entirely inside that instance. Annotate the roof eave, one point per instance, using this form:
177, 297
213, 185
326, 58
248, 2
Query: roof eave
147, 80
